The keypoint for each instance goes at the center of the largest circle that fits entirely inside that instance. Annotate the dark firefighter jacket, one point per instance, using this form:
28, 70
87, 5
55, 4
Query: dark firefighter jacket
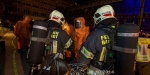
59, 42
94, 46
60, 39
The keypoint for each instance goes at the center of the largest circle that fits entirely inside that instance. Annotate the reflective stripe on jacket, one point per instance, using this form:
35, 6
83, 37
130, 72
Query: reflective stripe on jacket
143, 54
94, 46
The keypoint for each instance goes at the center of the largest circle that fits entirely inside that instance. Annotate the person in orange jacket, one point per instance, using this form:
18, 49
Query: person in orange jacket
81, 33
22, 31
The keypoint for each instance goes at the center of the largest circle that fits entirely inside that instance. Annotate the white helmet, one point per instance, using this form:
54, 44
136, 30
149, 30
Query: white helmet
103, 13
57, 16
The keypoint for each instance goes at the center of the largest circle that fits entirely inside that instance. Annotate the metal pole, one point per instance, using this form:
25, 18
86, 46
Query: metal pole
141, 13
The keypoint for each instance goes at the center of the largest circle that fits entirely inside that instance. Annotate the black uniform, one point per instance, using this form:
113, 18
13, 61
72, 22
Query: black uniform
61, 40
95, 46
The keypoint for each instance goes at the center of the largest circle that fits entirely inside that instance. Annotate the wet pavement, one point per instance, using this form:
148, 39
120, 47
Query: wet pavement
10, 59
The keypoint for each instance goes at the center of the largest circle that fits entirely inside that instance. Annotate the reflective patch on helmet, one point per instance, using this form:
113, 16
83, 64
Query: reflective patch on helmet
55, 17
108, 13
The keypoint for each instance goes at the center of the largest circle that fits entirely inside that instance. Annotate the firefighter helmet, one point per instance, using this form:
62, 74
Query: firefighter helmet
103, 13
57, 16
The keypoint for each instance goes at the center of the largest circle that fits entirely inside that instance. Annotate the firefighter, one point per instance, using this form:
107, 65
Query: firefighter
94, 49
81, 32
22, 31
70, 31
61, 41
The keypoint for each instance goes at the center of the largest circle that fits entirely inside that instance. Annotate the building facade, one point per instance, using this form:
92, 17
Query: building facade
37, 9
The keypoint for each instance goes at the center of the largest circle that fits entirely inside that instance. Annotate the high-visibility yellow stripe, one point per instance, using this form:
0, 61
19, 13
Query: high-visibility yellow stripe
67, 45
143, 58
143, 54
102, 55
87, 53
54, 46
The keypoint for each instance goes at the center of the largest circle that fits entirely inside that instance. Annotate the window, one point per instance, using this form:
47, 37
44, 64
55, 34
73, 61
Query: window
35, 13
26, 11
43, 14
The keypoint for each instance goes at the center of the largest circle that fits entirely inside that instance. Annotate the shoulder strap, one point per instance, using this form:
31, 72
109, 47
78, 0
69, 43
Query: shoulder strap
49, 41
49, 32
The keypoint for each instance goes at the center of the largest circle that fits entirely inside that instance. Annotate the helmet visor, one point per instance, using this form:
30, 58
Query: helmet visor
77, 24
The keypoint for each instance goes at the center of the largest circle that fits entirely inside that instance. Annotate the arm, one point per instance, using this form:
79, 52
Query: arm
18, 28
67, 42
87, 50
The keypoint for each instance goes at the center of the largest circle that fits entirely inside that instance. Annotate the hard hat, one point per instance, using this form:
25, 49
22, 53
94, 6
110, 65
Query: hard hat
103, 13
57, 16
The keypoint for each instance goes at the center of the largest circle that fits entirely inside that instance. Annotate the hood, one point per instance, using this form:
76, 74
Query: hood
82, 20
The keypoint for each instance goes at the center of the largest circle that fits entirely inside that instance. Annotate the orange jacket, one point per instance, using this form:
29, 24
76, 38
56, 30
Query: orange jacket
80, 34
21, 30
69, 29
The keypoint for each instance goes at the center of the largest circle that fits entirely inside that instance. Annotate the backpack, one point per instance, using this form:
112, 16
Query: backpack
52, 65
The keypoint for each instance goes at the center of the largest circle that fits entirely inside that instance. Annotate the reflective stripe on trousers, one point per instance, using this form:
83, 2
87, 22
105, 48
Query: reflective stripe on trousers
143, 54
